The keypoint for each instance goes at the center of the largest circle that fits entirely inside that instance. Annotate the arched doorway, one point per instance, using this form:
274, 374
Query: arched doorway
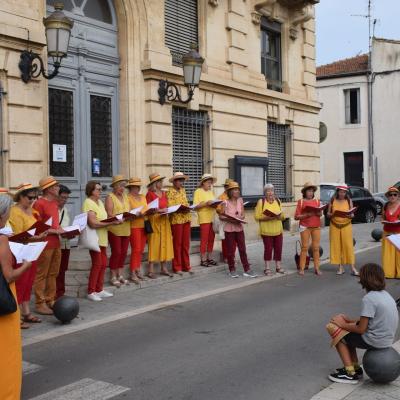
83, 100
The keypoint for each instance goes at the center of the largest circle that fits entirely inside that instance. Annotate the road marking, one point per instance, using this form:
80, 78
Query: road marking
68, 329
29, 368
85, 389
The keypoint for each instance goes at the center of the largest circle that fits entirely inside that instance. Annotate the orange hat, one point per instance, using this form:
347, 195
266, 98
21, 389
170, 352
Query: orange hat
392, 189
154, 177
47, 182
178, 175
337, 334
134, 182
22, 188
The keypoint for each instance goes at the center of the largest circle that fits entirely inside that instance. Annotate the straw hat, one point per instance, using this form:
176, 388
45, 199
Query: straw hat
22, 188
308, 185
232, 185
117, 179
178, 175
4, 190
206, 177
228, 181
134, 182
392, 189
47, 182
337, 334
342, 187
155, 177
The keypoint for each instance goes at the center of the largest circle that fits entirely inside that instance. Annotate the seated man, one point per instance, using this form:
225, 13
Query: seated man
375, 329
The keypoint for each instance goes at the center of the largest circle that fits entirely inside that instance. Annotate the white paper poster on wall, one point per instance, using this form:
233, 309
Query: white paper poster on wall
59, 153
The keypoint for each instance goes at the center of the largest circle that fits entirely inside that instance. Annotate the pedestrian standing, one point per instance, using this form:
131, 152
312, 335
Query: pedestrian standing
391, 213
65, 220
268, 213
203, 199
160, 241
48, 264
180, 224
233, 211
10, 333
341, 231
138, 235
310, 226
117, 202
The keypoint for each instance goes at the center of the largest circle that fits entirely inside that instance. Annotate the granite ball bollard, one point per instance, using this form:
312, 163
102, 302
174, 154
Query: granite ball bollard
66, 308
354, 242
310, 251
382, 365
377, 234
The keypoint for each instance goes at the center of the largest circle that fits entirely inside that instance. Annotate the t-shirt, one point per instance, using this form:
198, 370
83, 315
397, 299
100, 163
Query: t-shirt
100, 211
380, 308
205, 214
310, 222
47, 209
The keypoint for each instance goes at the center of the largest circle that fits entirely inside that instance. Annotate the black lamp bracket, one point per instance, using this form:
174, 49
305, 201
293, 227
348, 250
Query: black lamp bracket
31, 66
169, 91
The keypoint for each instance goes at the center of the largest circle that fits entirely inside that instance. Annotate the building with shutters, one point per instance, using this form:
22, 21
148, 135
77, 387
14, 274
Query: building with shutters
101, 115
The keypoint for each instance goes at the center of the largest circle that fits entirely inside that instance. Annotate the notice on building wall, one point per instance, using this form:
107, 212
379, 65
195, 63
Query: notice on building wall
96, 166
252, 181
59, 153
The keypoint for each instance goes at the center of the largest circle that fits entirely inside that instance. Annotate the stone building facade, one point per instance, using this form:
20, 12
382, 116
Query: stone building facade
256, 97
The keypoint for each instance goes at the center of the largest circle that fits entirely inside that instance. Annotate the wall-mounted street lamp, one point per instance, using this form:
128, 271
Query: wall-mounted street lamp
58, 32
192, 63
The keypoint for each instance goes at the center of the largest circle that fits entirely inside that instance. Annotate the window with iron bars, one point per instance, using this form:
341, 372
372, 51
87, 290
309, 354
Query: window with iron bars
181, 27
188, 129
279, 138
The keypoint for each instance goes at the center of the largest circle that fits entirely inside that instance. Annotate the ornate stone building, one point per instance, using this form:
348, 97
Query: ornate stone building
101, 114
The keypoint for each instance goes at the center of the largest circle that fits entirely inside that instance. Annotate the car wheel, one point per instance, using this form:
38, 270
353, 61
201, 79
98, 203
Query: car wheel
369, 216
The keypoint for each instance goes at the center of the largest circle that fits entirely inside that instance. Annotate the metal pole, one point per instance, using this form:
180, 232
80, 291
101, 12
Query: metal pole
2, 150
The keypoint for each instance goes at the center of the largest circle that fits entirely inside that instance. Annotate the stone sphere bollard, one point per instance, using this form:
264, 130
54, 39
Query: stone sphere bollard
310, 251
382, 365
66, 308
377, 234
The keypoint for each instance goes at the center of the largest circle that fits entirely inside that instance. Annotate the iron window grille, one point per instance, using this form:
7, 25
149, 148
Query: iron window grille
271, 61
181, 27
188, 129
279, 138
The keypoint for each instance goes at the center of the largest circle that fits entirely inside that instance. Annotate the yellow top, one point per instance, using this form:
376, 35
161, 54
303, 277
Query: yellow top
223, 197
273, 227
119, 207
134, 203
205, 214
176, 197
19, 220
101, 213
340, 206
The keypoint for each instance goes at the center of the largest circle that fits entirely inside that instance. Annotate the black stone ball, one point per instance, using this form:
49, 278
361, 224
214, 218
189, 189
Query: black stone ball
66, 308
377, 234
382, 365
310, 251
354, 242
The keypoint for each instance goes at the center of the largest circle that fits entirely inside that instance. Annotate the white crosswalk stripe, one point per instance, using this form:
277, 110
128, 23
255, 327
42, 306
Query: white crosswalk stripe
85, 389
29, 368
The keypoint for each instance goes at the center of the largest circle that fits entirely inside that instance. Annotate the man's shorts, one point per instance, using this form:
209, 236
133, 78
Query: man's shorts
355, 340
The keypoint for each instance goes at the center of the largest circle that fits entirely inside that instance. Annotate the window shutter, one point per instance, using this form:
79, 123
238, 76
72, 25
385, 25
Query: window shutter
187, 145
181, 27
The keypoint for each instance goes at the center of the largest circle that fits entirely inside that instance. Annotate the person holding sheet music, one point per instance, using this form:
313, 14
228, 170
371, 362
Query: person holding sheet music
117, 202
160, 240
391, 225
341, 212
138, 235
180, 224
22, 217
269, 215
308, 213
232, 214
203, 199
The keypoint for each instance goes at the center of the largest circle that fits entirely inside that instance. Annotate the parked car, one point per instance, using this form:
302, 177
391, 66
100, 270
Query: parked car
381, 200
362, 198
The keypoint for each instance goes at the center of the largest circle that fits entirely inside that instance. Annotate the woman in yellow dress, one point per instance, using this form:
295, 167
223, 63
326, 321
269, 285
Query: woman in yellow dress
341, 231
391, 213
10, 333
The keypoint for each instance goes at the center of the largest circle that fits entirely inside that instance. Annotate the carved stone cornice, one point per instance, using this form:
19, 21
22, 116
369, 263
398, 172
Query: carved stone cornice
213, 3
256, 17
298, 17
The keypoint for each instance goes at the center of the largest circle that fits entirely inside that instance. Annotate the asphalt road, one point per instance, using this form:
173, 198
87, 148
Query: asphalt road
266, 341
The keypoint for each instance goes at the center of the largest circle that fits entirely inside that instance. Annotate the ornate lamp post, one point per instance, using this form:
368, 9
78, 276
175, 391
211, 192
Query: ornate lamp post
58, 32
192, 63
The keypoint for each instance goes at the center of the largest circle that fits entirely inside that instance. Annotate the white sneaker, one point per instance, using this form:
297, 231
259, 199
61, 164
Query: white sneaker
93, 297
250, 274
104, 294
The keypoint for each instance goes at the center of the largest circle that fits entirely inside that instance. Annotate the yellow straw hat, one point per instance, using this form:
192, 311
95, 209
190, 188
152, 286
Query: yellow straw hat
154, 177
47, 182
22, 188
232, 185
309, 185
228, 181
337, 334
134, 182
117, 179
206, 177
178, 175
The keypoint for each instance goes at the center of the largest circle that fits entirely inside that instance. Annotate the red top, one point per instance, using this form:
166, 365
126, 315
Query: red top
47, 209
310, 222
162, 201
392, 218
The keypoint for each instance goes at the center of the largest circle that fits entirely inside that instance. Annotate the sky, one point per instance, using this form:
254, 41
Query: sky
341, 35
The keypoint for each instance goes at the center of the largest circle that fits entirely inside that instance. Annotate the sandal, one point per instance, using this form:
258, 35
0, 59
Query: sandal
140, 276
123, 280
300, 272
115, 282
280, 270
24, 325
204, 264
341, 272
133, 278
355, 273
31, 318
166, 273
268, 272
317, 272
212, 262
151, 275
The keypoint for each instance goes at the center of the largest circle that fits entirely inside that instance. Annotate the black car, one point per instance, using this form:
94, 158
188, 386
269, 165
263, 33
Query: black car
362, 198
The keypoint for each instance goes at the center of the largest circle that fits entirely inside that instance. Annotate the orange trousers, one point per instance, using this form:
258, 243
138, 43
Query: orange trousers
315, 235
181, 240
138, 243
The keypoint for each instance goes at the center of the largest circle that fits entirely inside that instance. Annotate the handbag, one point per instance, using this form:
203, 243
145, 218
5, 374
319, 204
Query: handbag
8, 305
147, 227
216, 223
297, 257
89, 239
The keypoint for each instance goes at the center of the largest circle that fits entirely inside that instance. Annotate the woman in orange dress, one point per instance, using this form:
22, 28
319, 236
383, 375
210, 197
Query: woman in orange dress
10, 333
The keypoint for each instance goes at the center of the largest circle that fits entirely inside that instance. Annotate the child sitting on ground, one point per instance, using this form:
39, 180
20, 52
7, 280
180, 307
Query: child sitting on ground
375, 329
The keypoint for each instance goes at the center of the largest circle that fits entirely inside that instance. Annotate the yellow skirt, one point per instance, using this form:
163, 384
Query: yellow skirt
160, 241
341, 245
390, 259
10, 355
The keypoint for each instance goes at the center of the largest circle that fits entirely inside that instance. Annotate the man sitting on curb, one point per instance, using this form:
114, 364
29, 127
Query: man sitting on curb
375, 329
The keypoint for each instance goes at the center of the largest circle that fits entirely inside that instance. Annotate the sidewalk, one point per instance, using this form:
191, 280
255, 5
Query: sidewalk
164, 292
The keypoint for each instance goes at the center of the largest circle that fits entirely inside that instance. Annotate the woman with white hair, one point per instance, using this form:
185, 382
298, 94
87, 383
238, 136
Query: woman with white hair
269, 215
10, 335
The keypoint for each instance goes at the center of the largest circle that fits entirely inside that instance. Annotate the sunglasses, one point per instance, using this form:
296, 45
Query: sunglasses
393, 195
31, 197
